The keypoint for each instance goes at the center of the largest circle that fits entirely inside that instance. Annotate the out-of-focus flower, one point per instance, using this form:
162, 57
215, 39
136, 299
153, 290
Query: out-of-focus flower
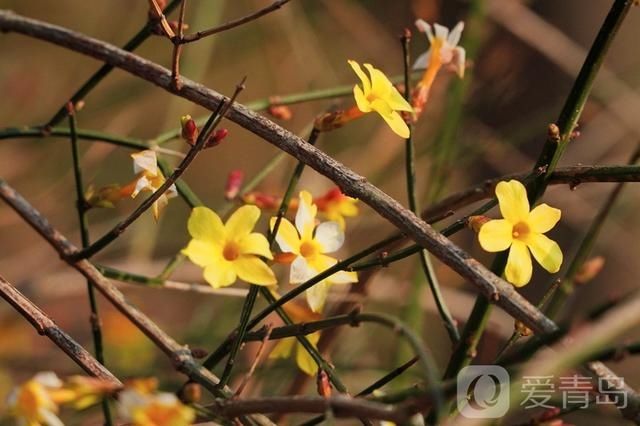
233, 185
288, 347
149, 178
84, 391
443, 51
36, 402
231, 250
262, 200
105, 197
336, 206
378, 94
310, 244
521, 231
281, 112
162, 409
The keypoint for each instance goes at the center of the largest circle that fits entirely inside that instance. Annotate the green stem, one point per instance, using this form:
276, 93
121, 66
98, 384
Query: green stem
99, 75
295, 98
81, 206
586, 245
549, 157
253, 291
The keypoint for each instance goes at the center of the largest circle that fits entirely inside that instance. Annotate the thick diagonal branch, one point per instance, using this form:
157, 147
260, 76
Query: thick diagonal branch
47, 327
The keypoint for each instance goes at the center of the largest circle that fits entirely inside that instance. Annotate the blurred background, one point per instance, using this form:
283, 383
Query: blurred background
524, 57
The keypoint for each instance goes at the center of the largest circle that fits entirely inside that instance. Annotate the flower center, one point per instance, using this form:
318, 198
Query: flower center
308, 249
520, 230
231, 251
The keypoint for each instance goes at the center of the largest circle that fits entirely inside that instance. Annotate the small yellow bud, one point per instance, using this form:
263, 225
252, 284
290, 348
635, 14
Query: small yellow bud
476, 222
522, 329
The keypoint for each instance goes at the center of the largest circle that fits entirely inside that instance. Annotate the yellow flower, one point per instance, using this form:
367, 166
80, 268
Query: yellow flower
309, 244
521, 231
162, 409
149, 178
231, 250
378, 94
36, 402
336, 206
289, 346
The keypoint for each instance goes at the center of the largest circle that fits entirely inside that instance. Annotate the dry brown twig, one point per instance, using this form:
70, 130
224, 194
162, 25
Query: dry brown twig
47, 327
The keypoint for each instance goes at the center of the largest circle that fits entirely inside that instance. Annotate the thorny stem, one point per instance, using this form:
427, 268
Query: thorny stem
81, 207
104, 70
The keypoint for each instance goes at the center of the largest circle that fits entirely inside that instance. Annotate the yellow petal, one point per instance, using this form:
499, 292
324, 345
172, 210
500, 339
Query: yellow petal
287, 236
284, 348
546, 251
542, 218
322, 262
303, 359
519, 268
397, 102
255, 243
242, 221
306, 215
496, 235
380, 84
220, 273
361, 99
202, 252
397, 124
514, 204
205, 224
366, 84
317, 296
254, 271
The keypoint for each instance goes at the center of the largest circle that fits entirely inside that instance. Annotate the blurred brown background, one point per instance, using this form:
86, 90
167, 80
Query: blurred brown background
529, 54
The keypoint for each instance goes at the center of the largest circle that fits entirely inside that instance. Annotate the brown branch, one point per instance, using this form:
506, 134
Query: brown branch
340, 406
256, 361
47, 327
494, 288
224, 27
180, 355
177, 47
156, 10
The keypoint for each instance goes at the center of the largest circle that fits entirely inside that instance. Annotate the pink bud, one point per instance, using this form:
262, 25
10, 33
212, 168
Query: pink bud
216, 137
234, 182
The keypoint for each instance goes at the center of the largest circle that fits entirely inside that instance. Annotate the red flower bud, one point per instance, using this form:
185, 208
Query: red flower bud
234, 182
281, 112
216, 137
323, 384
189, 129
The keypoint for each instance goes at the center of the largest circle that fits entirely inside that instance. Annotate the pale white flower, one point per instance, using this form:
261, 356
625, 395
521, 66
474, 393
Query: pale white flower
35, 402
150, 178
443, 47
310, 244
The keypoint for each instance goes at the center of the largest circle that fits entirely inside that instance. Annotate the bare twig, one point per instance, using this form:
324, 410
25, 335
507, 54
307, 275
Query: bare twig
205, 33
177, 48
256, 361
45, 326
162, 20
114, 233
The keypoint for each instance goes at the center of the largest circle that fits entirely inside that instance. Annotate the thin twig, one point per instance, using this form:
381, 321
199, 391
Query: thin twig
177, 48
256, 361
117, 230
206, 33
45, 326
105, 69
162, 20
